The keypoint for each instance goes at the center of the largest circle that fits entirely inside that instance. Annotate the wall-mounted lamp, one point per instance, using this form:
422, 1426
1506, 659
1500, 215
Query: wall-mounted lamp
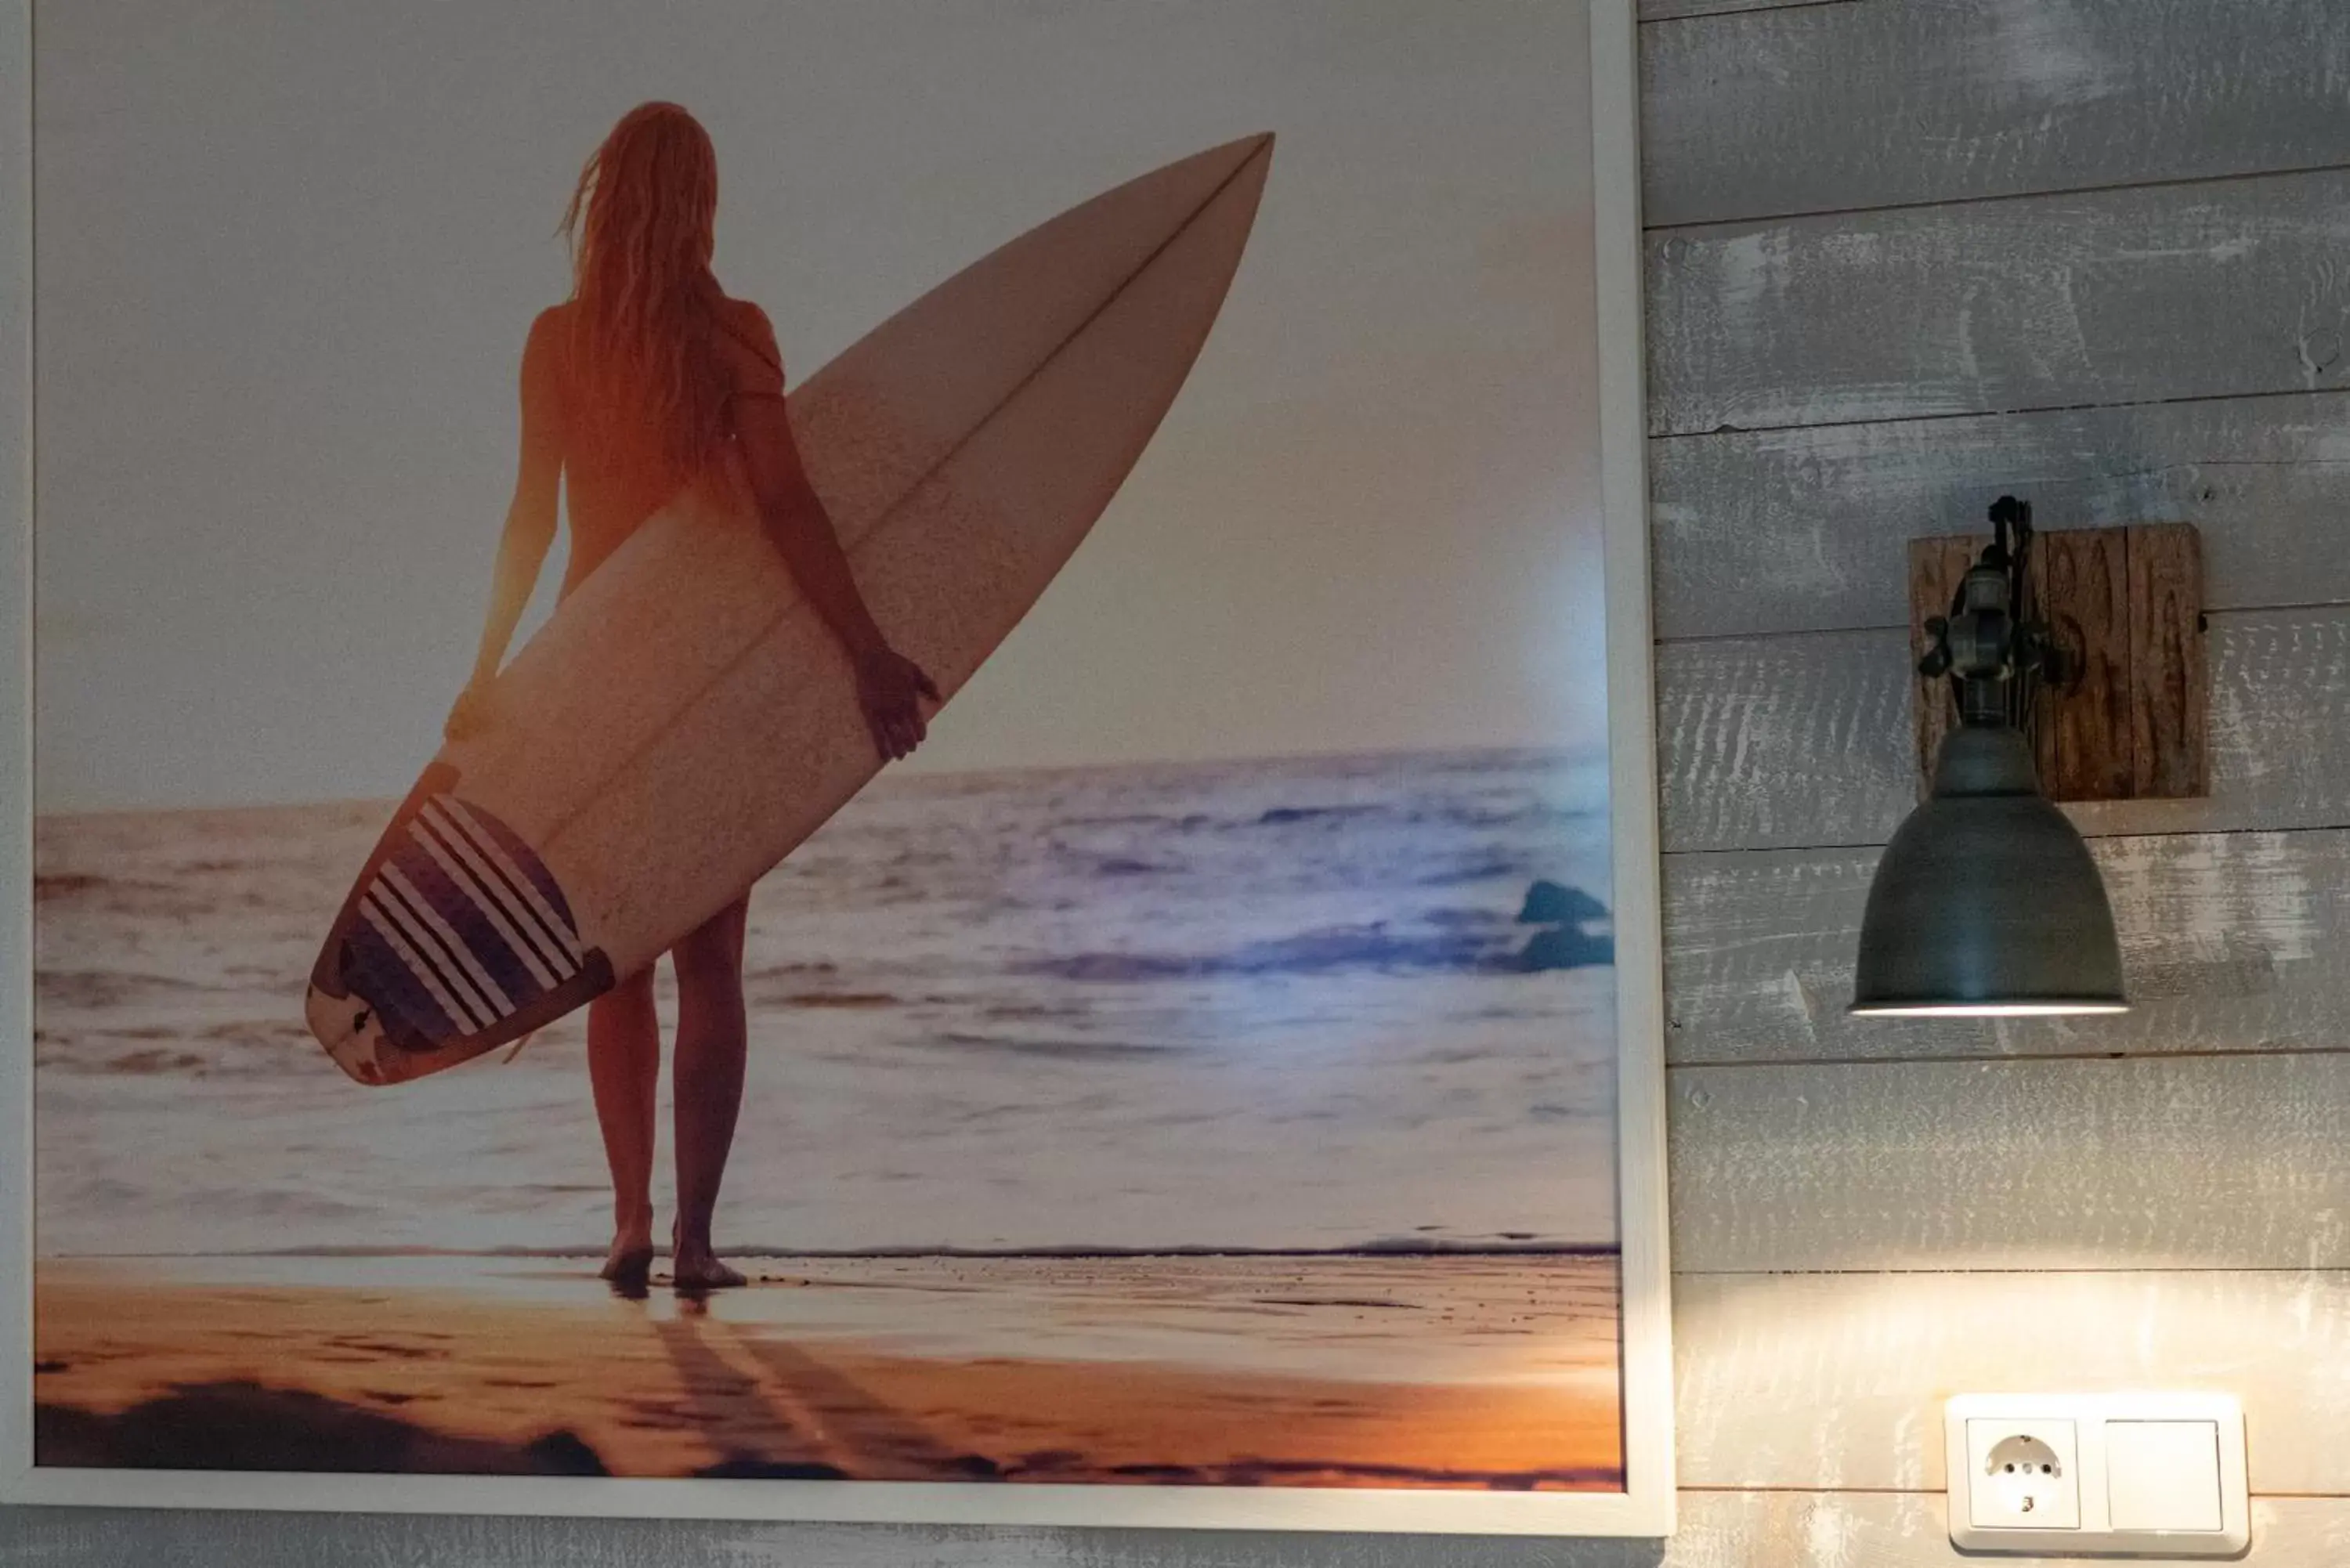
1987, 903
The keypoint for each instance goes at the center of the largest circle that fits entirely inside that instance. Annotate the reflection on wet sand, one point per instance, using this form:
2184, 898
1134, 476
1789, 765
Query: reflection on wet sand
1231, 1371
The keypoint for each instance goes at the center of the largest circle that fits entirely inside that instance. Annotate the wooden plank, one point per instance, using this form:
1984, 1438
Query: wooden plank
1832, 108
2083, 579
1782, 741
1719, 1529
2110, 297
1897, 1529
1673, 10
1937, 566
2231, 942
1807, 740
1804, 530
103, 1538
2170, 676
1838, 1380
2150, 1162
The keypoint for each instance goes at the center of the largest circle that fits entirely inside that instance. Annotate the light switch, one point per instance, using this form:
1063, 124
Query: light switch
2163, 1475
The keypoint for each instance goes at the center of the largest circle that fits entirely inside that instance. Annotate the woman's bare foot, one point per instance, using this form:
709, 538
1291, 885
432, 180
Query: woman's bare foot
697, 1268
629, 1263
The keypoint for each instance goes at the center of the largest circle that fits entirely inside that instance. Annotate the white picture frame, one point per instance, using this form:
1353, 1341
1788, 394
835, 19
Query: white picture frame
1645, 1508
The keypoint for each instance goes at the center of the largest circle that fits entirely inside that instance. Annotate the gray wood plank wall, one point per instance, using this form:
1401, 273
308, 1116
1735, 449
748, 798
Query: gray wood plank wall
1906, 255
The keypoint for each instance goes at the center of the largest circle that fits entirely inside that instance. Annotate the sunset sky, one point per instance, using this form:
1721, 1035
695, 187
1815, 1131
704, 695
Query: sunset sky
287, 255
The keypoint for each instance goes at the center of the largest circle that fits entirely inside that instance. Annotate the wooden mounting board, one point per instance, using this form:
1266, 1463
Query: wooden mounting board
2129, 604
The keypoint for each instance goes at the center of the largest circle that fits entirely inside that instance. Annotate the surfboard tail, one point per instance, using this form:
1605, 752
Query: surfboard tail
455, 939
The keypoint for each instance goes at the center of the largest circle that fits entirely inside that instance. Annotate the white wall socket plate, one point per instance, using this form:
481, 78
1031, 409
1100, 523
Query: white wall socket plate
2098, 1475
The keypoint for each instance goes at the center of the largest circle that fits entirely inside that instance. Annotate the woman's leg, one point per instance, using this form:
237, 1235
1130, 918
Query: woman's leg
710, 1045
624, 1065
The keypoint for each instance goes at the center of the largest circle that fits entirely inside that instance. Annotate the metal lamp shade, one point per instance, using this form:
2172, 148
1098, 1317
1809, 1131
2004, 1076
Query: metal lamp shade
1986, 903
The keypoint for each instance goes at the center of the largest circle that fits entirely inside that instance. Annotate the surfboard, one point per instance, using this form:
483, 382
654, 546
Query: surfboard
684, 720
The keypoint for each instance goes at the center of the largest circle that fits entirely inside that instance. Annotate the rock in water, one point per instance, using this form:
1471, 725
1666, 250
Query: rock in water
1551, 904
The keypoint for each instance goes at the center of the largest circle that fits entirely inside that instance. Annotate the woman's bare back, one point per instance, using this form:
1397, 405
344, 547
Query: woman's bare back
616, 470
607, 458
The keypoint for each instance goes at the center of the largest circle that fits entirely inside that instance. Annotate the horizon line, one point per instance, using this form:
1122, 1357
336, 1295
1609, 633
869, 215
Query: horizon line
1584, 751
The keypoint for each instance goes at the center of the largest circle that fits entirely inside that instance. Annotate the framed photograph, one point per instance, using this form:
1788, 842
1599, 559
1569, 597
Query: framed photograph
831, 760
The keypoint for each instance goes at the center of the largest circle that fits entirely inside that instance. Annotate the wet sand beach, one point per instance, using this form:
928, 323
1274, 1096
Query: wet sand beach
1441, 1371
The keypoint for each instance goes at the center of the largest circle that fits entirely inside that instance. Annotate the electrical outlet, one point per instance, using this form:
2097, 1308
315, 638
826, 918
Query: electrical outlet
2026, 1474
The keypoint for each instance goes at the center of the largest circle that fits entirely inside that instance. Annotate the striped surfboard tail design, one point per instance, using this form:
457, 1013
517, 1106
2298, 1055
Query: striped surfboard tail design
460, 927
456, 939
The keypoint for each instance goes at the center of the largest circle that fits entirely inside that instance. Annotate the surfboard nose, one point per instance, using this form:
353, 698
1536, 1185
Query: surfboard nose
1242, 160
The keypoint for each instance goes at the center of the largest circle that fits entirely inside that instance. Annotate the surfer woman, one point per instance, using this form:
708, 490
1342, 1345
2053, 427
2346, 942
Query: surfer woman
642, 384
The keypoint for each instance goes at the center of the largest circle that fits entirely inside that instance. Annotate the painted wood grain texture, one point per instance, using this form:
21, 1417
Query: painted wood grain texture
1670, 10
2207, 290
1807, 740
1803, 530
1719, 1529
1813, 109
2118, 355
1838, 1380
68, 1536
1896, 1529
2083, 580
2232, 942
1938, 565
2152, 1162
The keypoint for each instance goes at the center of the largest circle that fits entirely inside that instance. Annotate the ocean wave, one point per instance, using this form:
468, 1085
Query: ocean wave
1338, 949
1057, 1050
101, 988
1281, 816
1472, 871
948, 980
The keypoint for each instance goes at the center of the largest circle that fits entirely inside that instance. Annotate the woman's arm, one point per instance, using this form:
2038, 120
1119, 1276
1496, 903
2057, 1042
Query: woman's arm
530, 521
798, 524
888, 684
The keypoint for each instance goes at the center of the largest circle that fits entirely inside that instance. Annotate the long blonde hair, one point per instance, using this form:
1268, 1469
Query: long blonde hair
643, 224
